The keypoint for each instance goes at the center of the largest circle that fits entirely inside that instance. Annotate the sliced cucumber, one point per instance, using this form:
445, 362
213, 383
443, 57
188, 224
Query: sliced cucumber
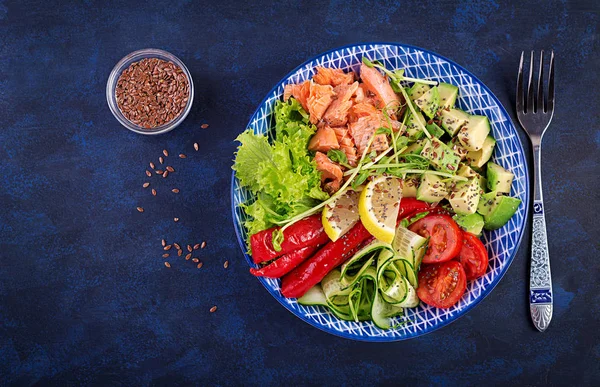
409, 246
392, 285
352, 268
360, 290
314, 296
382, 312
408, 271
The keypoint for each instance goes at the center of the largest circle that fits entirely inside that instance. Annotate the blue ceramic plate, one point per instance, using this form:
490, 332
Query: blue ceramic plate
474, 98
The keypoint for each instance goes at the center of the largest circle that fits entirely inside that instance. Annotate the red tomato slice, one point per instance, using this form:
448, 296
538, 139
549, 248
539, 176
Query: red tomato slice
442, 284
473, 256
445, 237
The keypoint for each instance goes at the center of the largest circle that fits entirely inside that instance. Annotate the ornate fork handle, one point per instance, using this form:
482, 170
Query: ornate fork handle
540, 281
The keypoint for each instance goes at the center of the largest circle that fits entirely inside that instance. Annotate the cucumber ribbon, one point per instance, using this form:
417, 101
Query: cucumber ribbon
376, 284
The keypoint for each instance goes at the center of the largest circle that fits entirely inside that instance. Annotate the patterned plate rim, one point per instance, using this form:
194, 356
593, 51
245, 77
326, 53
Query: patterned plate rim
478, 299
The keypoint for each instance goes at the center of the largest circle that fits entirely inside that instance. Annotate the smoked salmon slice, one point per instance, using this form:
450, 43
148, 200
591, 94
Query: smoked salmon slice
300, 92
323, 140
346, 144
333, 77
376, 83
364, 95
331, 173
337, 113
364, 109
362, 130
367, 110
314, 98
319, 99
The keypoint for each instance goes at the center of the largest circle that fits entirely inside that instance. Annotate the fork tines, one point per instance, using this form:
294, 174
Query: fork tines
534, 104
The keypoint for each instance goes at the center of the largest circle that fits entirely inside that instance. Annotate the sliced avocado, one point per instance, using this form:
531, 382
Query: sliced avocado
498, 178
472, 223
458, 148
414, 148
448, 94
465, 197
429, 102
417, 90
409, 188
453, 120
466, 171
434, 130
503, 208
482, 182
418, 136
412, 126
486, 203
440, 156
478, 158
473, 134
432, 189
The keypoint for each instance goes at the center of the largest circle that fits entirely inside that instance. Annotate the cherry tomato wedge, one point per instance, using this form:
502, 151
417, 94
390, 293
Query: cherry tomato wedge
445, 237
473, 256
442, 284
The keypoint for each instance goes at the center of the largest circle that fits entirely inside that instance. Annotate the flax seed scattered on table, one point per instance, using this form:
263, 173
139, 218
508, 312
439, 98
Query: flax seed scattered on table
151, 165
165, 255
188, 256
189, 248
199, 265
195, 260
213, 309
203, 245
196, 147
170, 169
176, 245
159, 172
160, 159
175, 190
153, 192
226, 264
140, 209
148, 173
179, 252
204, 126
182, 156
196, 246
167, 264
146, 185
176, 219
165, 153
167, 247
163, 243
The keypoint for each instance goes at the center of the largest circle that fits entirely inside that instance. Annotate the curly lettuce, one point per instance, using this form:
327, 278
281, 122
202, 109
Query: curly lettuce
282, 175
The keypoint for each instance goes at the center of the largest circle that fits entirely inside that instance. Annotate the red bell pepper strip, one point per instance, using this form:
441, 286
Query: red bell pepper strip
283, 265
409, 206
306, 232
311, 272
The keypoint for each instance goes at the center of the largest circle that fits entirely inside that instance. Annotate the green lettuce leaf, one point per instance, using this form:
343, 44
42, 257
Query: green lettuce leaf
282, 174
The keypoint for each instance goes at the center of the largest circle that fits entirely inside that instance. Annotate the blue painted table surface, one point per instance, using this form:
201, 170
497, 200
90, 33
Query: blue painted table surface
85, 297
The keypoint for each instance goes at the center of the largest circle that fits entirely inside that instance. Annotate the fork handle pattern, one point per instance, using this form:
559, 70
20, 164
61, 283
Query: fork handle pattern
540, 280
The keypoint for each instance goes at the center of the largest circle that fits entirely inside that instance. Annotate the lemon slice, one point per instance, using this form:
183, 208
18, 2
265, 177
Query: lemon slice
378, 207
341, 215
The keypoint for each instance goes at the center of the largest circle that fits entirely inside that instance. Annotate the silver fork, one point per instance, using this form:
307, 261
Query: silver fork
535, 115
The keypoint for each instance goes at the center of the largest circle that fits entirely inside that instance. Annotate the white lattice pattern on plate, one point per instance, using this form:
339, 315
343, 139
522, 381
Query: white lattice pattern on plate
474, 98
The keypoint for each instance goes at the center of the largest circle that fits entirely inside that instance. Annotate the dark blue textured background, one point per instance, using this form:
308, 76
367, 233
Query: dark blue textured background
84, 295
